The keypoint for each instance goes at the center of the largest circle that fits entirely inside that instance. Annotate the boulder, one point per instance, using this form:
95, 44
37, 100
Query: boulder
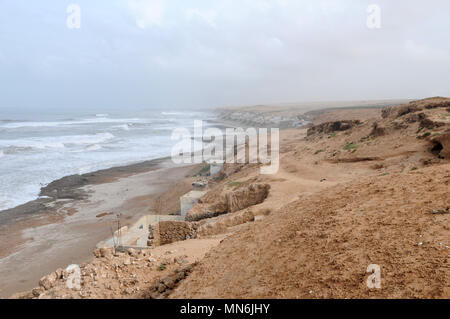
97, 253
132, 252
169, 283
47, 282
107, 252
37, 291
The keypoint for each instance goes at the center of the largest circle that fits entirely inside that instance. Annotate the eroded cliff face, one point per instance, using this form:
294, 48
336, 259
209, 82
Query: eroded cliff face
228, 201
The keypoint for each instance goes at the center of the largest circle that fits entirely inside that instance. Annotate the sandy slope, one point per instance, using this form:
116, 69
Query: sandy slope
320, 245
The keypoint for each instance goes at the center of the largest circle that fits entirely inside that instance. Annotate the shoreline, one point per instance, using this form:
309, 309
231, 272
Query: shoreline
68, 188
48, 233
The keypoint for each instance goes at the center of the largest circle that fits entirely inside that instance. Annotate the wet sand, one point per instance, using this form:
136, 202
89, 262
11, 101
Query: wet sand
49, 233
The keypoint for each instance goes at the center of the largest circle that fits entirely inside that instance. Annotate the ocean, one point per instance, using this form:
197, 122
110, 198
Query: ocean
38, 148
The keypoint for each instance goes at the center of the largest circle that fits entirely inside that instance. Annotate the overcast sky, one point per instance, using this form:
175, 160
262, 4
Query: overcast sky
179, 53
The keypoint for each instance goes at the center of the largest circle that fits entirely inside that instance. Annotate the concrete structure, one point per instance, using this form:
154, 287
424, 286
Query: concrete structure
215, 168
136, 235
188, 201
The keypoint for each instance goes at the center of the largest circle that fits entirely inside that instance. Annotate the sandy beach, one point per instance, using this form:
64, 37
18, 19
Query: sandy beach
47, 234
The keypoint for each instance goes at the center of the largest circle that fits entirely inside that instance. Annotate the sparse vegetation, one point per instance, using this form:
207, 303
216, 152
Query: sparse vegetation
424, 135
365, 138
205, 169
350, 146
162, 267
235, 184
318, 151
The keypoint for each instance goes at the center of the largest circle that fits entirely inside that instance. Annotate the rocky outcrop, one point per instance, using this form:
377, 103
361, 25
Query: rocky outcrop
429, 124
423, 120
219, 225
330, 127
230, 202
377, 130
415, 117
266, 119
398, 111
441, 145
163, 287
437, 105
415, 106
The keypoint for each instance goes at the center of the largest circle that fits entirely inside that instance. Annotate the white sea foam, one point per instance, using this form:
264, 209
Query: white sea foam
43, 124
93, 147
56, 141
35, 153
171, 113
124, 127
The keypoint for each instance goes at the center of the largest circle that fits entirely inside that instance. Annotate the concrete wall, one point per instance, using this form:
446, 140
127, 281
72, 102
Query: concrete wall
166, 232
215, 169
188, 201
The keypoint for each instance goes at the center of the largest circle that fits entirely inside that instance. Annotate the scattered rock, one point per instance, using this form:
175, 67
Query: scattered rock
169, 283
127, 261
47, 282
200, 184
161, 288
37, 291
440, 211
104, 252
129, 291
132, 252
